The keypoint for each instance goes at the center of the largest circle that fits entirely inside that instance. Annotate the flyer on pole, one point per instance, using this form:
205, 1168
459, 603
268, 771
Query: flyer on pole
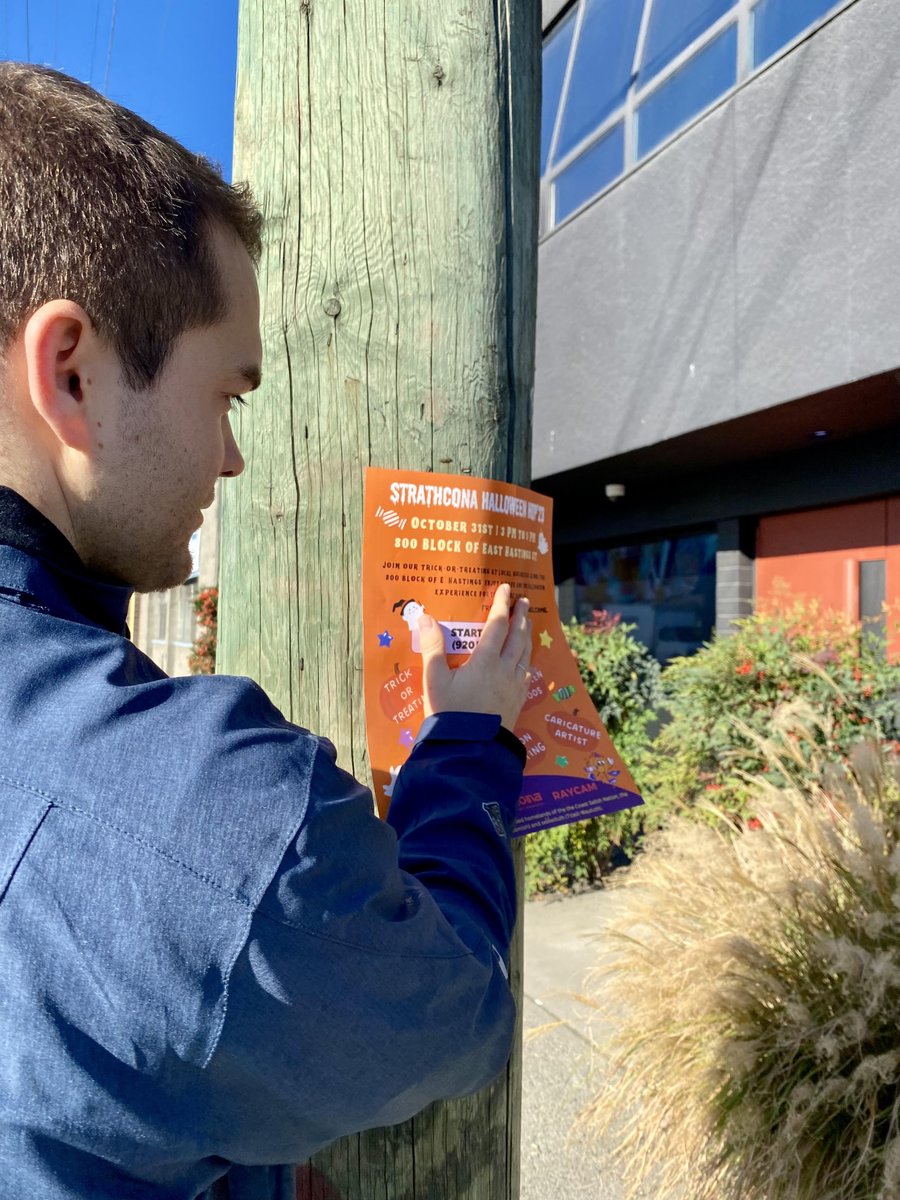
442, 544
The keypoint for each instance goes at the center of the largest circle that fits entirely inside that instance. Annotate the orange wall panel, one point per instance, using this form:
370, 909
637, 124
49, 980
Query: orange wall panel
817, 554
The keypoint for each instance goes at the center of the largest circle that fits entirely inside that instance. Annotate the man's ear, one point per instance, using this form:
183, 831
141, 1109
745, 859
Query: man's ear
60, 351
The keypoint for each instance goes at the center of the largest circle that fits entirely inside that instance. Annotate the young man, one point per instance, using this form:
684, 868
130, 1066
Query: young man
211, 952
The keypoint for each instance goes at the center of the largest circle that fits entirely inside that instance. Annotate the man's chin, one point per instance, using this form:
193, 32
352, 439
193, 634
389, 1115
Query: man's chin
162, 576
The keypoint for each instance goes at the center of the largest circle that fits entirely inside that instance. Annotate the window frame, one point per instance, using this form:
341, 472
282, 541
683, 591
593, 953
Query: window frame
740, 14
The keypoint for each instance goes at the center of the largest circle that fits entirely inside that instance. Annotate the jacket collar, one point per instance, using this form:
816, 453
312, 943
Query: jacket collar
41, 568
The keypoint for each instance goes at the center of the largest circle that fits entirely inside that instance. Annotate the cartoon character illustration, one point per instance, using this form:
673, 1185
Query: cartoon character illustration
563, 693
388, 788
600, 769
410, 611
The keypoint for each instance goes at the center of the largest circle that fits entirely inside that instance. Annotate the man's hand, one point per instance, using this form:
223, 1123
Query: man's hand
495, 677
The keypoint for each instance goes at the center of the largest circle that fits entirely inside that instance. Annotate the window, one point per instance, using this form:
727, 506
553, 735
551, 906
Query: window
623, 76
159, 615
556, 58
692, 88
673, 26
872, 600
666, 589
589, 173
777, 22
601, 68
185, 624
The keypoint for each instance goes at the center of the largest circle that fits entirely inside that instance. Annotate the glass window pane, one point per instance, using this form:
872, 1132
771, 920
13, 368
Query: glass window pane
590, 172
666, 589
555, 56
776, 22
601, 71
692, 88
674, 24
160, 601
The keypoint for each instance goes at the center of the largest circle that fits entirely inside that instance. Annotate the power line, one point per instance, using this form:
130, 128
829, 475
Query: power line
112, 34
94, 42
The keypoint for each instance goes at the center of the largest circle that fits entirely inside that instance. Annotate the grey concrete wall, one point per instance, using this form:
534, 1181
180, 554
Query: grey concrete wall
735, 573
754, 260
551, 9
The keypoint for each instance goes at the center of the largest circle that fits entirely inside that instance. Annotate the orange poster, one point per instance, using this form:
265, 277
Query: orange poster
441, 544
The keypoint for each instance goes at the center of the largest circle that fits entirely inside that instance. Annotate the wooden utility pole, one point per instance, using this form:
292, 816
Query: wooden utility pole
393, 148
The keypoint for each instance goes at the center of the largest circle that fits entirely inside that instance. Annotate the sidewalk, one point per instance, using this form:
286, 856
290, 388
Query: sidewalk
563, 1060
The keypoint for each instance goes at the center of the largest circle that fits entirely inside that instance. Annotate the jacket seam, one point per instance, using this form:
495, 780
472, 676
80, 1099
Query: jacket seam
325, 937
68, 806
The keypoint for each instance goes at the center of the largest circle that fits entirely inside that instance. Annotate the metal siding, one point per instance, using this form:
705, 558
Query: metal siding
752, 261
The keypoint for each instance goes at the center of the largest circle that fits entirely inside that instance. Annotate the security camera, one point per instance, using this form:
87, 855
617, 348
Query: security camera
614, 491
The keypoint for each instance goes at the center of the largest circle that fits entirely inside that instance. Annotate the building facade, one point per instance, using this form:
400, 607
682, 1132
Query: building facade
164, 624
717, 401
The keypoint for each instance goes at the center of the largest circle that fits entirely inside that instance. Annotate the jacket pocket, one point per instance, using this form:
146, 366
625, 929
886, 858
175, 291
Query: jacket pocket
21, 815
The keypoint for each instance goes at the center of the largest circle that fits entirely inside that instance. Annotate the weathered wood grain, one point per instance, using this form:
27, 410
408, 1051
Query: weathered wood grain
393, 147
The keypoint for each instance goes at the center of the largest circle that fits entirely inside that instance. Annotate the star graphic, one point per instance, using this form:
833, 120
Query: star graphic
546, 639
407, 739
384, 639
562, 761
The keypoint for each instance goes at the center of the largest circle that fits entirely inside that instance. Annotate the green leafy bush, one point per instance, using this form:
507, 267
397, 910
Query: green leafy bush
623, 680
725, 695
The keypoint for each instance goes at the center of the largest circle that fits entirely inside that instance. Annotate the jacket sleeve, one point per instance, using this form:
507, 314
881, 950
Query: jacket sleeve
373, 980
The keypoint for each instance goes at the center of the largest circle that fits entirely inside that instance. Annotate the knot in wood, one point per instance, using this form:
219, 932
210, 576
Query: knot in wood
332, 306
439, 75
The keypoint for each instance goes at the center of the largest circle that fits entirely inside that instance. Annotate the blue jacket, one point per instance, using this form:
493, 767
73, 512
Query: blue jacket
211, 951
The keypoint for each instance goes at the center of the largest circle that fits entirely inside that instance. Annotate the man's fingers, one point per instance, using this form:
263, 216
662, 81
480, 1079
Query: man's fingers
496, 627
431, 636
518, 638
434, 660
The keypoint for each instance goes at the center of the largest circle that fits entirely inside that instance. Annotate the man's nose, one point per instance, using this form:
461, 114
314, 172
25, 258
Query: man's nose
233, 462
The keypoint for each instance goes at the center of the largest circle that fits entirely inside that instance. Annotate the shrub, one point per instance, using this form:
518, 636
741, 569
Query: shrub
623, 680
755, 993
793, 650
202, 659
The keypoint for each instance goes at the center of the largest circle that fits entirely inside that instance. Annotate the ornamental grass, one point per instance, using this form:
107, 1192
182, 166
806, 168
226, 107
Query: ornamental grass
755, 989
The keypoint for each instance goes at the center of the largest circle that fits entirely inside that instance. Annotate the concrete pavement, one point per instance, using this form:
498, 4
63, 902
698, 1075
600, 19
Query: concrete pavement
563, 1053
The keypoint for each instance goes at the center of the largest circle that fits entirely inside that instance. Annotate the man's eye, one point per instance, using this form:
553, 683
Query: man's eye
237, 402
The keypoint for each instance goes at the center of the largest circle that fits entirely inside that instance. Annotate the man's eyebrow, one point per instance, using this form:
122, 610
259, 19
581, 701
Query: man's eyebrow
251, 374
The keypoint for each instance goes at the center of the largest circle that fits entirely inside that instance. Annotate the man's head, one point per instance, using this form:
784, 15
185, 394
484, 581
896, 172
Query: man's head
128, 320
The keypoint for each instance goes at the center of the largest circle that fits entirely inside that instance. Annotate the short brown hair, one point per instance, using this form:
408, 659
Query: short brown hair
99, 207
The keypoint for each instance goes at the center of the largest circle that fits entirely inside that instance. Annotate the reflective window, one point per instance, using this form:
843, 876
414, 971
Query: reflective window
712, 71
667, 589
673, 25
590, 173
556, 56
777, 22
601, 70
590, 82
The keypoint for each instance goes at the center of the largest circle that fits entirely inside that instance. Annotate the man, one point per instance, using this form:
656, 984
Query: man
211, 951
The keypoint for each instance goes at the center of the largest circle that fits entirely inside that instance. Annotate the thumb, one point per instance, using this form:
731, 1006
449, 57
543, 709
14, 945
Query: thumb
431, 638
431, 643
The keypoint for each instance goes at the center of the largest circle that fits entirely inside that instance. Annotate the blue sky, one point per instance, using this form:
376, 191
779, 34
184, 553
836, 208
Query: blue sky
172, 61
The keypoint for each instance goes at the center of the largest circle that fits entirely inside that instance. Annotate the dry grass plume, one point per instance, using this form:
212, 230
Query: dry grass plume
756, 991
